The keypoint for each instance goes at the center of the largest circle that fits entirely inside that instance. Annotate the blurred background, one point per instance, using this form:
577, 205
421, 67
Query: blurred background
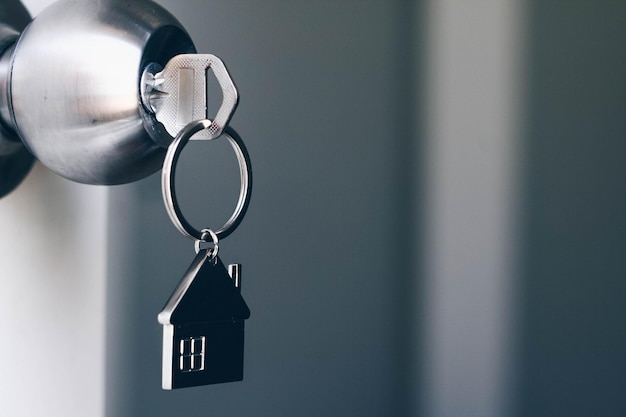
437, 227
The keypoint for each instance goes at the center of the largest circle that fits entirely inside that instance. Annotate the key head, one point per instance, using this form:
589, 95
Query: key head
178, 94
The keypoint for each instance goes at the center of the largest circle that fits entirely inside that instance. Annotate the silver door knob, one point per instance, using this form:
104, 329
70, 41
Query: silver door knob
70, 87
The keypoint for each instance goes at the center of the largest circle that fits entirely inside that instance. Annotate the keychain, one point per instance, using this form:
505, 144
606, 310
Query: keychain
203, 321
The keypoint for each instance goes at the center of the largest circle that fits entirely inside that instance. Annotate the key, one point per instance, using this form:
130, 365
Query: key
203, 326
178, 94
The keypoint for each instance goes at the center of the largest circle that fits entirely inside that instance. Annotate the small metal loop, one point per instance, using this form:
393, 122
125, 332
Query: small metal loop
168, 177
211, 252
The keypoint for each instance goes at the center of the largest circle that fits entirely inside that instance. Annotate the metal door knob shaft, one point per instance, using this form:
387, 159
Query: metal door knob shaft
15, 160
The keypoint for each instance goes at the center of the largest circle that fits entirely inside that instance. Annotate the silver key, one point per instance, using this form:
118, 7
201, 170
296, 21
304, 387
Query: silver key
178, 94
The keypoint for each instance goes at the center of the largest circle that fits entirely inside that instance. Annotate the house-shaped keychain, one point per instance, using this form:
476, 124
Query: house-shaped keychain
203, 326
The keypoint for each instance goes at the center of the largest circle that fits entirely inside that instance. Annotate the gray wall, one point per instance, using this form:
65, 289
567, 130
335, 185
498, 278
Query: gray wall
517, 308
324, 245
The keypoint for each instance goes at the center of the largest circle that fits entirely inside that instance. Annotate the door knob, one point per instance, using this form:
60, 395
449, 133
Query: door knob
71, 90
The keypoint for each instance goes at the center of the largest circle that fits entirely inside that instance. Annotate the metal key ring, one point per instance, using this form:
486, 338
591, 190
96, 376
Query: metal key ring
168, 178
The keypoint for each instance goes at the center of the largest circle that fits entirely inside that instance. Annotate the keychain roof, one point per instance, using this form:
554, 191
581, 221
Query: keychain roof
206, 293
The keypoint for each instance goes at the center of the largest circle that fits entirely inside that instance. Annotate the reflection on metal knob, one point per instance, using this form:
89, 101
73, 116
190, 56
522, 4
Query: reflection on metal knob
71, 88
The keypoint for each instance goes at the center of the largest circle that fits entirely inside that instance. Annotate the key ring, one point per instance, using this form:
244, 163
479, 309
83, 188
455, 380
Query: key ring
168, 178
211, 253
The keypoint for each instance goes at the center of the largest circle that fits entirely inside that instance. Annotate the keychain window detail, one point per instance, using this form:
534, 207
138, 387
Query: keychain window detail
192, 354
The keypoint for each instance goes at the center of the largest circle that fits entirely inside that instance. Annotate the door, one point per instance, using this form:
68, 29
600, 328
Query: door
436, 226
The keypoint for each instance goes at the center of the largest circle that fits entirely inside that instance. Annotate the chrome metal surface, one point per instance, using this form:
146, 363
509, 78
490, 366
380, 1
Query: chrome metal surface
178, 94
211, 252
75, 87
168, 179
8, 38
15, 160
234, 270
